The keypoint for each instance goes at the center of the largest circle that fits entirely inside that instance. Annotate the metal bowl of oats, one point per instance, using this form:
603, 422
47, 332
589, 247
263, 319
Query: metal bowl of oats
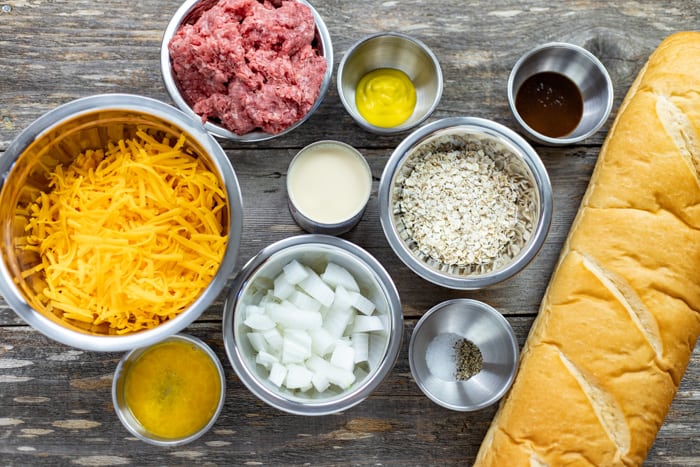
465, 202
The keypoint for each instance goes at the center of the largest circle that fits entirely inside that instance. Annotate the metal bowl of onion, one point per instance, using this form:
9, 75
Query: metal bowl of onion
105, 243
313, 324
465, 202
265, 86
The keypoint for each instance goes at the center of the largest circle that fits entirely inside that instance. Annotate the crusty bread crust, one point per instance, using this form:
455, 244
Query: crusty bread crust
620, 316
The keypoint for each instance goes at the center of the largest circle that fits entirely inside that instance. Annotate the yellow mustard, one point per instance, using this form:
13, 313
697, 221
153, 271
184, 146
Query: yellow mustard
385, 97
173, 389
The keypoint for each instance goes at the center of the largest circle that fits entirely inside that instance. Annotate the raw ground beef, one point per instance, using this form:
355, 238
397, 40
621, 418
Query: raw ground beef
250, 65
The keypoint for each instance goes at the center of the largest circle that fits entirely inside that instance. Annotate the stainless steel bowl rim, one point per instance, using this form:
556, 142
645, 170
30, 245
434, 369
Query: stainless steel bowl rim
486, 308
178, 441
394, 130
535, 165
217, 130
348, 399
128, 102
548, 140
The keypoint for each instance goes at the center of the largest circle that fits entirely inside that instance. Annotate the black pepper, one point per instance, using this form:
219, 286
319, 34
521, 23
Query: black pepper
468, 358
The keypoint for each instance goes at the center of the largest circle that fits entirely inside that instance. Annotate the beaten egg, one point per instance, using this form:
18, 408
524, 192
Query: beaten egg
173, 389
385, 97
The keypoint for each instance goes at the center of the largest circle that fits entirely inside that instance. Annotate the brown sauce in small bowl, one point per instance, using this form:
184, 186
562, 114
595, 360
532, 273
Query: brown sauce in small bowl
550, 103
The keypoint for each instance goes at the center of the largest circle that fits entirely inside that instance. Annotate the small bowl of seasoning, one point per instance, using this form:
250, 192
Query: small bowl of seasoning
463, 354
170, 393
389, 82
465, 202
560, 93
328, 186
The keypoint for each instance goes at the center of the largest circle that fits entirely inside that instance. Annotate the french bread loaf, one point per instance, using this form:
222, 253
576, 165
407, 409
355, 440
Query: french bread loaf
619, 319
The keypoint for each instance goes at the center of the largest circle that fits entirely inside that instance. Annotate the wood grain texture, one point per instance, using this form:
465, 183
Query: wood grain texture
55, 402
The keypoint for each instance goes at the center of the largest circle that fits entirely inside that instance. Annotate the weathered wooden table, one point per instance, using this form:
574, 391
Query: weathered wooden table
55, 403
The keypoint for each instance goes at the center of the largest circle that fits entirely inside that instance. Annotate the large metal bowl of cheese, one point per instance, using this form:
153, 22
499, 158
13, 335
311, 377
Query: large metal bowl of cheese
55, 139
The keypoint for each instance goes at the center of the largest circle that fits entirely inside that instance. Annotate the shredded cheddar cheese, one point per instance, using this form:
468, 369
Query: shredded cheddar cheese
128, 236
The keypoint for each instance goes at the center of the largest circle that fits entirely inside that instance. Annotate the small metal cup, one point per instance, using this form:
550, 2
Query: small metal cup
306, 220
129, 420
400, 52
581, 67
431, 354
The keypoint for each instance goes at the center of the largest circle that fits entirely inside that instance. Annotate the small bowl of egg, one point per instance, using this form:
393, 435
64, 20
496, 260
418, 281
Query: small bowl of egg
169, 393
389, 82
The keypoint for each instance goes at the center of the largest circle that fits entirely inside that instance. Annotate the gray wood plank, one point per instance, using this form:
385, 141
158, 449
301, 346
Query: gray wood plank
55, 404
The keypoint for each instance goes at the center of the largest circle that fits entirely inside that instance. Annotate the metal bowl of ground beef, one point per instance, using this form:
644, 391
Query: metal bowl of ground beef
249, 70
465, 202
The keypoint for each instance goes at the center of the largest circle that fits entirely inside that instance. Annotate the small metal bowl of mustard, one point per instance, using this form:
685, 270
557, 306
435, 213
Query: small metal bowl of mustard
463, 354
170, 393
559, 93
389, 82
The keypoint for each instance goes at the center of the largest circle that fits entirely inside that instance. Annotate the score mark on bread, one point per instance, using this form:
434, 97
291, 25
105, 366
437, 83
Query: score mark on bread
621, 315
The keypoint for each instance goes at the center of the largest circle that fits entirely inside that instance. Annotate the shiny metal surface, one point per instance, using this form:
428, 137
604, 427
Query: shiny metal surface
57, 137
399, 165
584, 69
312, 250
398, 51
432, 360
189, 11
128, 419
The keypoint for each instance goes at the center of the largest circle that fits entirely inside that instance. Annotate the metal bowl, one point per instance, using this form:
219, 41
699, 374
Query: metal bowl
581, 67
188, 12
57, 137
398, 51
314, 250
455, 134
431, 354
125, 414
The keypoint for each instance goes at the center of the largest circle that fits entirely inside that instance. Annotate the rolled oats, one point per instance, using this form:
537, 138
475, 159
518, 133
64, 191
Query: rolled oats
464, 204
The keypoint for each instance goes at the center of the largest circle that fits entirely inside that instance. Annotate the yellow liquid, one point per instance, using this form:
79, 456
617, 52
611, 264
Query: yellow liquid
385, 97
173, 389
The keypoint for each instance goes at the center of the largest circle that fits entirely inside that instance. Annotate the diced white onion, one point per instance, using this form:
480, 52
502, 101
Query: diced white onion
304, 301
278, 373
335, 276
321, 342
360, 343
361, 303
320, 381
265, 359
257, 341
259, 322
298, 376
314, 286
294, 272
311, 331
343, 356
282, 289
337, 320
367, 324
273, 339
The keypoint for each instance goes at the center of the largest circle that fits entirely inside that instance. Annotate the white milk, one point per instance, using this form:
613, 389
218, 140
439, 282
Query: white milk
329, 182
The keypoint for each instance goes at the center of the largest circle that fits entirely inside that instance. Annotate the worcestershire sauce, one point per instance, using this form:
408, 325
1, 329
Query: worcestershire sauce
550, 103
